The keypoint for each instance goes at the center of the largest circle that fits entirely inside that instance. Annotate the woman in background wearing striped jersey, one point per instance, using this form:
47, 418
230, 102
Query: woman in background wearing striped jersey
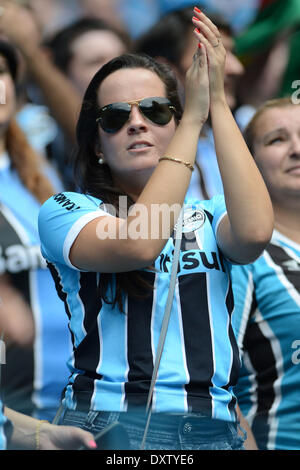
267, 292
31, 317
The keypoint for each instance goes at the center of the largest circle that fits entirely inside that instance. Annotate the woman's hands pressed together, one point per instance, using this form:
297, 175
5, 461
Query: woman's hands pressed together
209, 38
246, 229
197, 88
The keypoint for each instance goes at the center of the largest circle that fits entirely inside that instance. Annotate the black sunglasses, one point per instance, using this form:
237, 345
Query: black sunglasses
113, 116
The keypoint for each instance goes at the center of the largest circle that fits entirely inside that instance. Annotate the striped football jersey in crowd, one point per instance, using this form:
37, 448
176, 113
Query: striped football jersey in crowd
114, 353
33, 377
266, 320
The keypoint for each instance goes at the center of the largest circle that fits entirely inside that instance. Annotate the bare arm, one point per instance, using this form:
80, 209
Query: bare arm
250, 443
16, 318
248, 228
27, 430
59, 93
246, 231
18, 24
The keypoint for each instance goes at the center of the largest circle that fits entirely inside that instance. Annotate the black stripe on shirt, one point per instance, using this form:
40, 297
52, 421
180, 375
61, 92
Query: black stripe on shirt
222, 261
17, 384
198, 347
235, 366
140, 357
18, 379
87, 354
289, 266
63, 297
59, 287
229, 299
235, 350
264, 363
210, 216
261, 354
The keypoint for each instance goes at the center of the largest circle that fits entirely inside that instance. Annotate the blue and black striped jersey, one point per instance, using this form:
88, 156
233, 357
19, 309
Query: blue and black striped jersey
33, 377
114, 353
266, 320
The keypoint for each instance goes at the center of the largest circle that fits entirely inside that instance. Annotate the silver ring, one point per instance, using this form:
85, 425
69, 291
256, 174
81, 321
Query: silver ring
196, 55
217, 43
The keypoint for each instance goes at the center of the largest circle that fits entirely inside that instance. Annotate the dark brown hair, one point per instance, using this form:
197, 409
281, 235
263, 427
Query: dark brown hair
95, 179
61, 43
27, 163
168, 37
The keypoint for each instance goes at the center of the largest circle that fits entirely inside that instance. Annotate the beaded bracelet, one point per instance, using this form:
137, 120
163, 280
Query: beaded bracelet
37, 432
187, 164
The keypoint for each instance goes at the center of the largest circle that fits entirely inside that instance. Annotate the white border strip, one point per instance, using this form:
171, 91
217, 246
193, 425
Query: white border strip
75, 230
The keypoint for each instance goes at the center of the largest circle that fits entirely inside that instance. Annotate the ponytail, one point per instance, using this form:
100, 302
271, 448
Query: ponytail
26, 162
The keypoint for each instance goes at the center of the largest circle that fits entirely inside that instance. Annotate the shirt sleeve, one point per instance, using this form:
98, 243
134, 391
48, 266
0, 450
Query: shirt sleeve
215, 210
61, 218
219, 211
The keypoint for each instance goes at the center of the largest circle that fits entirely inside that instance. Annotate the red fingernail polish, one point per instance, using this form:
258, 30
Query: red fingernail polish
92, 444
199, 45
194, 18
197, 30
197, 9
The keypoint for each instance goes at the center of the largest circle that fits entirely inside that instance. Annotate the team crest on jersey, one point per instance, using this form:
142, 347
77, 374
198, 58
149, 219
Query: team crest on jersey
193, 219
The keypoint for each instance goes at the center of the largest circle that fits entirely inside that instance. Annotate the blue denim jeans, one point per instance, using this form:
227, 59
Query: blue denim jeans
166, 431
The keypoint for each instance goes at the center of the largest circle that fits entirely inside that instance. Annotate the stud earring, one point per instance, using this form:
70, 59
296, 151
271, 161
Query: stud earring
101, 161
